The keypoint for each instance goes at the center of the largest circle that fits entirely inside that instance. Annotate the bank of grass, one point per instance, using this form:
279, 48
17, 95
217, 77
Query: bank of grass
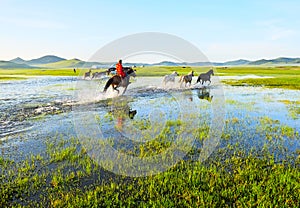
65, 175
42, 72
71, 179
287, 77
8, 78
286, 82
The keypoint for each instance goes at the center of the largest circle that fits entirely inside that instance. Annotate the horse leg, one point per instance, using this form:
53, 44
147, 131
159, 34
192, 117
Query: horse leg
124, 90
116, 88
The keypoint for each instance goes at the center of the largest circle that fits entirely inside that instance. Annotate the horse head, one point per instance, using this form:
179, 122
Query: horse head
131, 72
175, 73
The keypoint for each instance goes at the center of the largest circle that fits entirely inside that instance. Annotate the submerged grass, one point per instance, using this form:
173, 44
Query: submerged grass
65, 176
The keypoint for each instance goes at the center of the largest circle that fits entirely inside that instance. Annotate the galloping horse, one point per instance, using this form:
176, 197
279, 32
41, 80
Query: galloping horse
100, 74
87, 74
170, 78
116, 81
205, 76
186, 78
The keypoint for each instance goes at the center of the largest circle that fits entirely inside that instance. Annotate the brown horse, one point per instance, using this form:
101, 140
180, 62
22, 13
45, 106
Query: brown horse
116, 81
186, 78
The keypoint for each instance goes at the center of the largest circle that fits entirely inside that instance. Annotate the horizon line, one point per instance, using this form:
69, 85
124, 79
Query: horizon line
208, 61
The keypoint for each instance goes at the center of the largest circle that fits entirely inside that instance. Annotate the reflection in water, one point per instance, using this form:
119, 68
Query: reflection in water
121, 110
20, 101
204, 94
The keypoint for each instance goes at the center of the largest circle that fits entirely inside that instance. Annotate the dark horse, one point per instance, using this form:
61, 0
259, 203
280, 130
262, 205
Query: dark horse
116, 81
205, 77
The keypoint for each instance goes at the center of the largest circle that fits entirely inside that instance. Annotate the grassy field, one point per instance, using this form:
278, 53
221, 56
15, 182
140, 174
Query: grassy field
65, 176
282, 76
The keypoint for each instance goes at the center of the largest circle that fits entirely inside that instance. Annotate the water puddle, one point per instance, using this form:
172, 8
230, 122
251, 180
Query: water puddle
48, 107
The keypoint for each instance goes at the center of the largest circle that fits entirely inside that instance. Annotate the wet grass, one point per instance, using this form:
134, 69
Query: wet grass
266, 175
41, 72
254, 165
287, 77
8, 78
286, 82
293, 108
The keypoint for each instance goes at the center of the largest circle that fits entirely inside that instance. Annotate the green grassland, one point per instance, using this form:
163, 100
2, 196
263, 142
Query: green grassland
65, 176
281, 76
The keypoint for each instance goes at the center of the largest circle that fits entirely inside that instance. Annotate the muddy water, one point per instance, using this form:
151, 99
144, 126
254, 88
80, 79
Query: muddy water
44, 108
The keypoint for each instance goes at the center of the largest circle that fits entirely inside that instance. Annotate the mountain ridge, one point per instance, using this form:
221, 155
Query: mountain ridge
52, 61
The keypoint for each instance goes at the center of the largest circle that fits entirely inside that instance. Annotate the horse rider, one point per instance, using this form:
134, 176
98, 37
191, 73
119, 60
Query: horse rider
120, 70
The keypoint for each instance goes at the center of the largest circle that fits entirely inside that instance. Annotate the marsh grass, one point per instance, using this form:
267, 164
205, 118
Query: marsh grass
7, 78
286, 82
253, 166
293, 108
234, 176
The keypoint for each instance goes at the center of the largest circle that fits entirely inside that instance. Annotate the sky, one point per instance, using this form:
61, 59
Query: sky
222, 30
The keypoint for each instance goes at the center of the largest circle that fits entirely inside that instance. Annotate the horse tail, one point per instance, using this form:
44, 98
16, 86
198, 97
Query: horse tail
108, 83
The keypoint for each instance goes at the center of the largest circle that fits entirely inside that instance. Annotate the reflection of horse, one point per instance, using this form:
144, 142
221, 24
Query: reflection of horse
99, 74
87, 74
205, 76
170, 78
204, 94
116, 81
121, 110
186, 78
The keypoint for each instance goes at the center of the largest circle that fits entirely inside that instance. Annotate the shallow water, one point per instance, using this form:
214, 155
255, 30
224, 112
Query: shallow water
44, 108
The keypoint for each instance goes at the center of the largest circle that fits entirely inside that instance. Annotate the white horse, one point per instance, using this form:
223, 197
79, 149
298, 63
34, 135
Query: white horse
186, 78
170, 78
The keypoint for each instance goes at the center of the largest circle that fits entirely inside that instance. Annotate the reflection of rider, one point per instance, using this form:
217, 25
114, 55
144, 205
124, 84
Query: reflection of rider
120, 70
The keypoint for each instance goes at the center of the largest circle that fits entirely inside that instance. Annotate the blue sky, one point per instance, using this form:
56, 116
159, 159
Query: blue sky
222, 30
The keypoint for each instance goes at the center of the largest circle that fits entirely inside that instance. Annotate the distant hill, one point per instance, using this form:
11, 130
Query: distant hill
45, 60
277, 61
237, 62
51, 61
75, 63
11, 65
18, 60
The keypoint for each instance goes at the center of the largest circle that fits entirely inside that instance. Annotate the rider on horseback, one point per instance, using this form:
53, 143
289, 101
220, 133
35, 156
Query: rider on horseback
120, 70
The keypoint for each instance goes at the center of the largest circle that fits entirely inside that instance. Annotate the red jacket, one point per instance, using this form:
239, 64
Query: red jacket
120, 70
